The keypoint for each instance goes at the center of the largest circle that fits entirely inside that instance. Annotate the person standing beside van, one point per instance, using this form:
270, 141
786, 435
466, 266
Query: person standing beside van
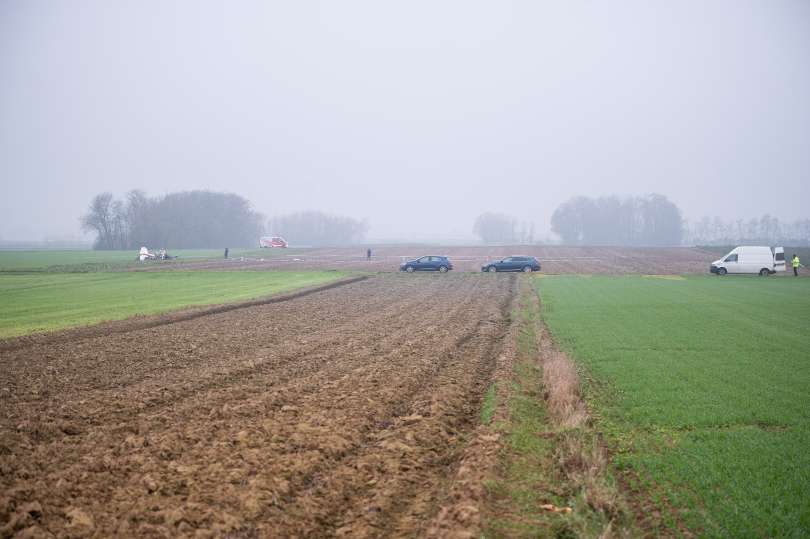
796, 264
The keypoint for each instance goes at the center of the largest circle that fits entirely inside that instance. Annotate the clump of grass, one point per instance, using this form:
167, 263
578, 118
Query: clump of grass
561, 383
488, 407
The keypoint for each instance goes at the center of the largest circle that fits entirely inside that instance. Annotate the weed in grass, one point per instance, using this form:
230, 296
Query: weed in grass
488, 407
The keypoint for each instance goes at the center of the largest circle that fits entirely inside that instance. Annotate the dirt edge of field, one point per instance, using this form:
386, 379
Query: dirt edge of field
579, 457
139, 322
573, 490
462, 515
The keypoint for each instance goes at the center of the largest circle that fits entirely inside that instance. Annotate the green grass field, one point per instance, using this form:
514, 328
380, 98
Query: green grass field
78, 260
702, 388
48, 301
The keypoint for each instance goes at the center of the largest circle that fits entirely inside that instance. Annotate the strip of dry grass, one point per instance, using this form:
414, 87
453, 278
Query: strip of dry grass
561, 382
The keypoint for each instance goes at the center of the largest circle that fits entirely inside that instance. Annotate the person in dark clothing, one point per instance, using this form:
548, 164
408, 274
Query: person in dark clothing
368, 254
226, 252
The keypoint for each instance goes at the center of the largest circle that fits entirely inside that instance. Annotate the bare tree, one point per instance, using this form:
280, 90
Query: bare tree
100, 218
190, 219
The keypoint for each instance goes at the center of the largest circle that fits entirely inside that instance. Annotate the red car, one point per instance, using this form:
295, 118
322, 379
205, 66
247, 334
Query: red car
272, 241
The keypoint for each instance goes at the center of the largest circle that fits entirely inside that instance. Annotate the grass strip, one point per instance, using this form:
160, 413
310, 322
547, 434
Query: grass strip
701, 388
45, 302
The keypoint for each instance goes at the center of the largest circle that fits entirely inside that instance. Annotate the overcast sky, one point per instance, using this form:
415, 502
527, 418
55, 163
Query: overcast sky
415, 115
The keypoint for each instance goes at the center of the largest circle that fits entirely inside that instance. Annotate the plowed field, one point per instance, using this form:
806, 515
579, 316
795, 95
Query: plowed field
554, 259
340, 413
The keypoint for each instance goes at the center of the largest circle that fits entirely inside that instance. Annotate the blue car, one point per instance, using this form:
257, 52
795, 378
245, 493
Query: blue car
513, 263
427, 263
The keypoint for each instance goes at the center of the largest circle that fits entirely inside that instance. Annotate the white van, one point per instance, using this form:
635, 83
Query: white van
748, 259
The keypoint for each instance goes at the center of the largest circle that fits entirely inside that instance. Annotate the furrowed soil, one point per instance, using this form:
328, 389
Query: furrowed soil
340, 413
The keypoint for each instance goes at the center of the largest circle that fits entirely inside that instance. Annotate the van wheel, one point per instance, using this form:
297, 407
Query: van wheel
527, 269
443, 269
722, 271
764, 272
409, 269
492, 269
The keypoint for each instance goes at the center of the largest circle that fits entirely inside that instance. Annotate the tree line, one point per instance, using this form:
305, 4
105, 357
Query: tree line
206, 219
315, 229
184, 220
766, 230
650, 220
610, 220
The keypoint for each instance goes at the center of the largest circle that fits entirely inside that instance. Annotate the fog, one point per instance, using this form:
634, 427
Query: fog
416, 116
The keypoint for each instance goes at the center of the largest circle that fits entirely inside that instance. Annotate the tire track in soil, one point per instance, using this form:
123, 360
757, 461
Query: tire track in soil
216, 380
298, 370
453, 405
361, 407
197, 348
312, 499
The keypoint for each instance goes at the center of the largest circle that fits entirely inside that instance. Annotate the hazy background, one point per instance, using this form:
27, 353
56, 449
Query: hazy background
417, 116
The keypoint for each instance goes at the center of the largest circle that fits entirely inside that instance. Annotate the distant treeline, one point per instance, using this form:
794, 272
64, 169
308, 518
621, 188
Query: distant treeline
610, 220
185, 220
498, 228
315, 228
766, 230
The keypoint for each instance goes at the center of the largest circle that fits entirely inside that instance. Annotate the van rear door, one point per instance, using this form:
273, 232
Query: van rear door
779, 259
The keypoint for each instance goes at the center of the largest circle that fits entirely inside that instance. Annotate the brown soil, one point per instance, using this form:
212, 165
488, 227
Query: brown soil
340, 413
145, 322
554, 259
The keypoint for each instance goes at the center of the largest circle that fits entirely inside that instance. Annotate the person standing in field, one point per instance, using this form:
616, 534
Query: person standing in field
796, 264
226, 253
368, 254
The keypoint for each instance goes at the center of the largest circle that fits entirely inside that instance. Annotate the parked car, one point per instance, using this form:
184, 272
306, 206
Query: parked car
272, 241
751, 259
513, 263
427, 263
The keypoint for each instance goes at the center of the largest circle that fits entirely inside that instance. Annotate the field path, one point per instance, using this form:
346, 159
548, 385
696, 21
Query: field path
339, 413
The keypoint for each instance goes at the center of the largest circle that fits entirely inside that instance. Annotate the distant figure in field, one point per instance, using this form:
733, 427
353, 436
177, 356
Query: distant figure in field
368, 254
226, 252
796, 265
